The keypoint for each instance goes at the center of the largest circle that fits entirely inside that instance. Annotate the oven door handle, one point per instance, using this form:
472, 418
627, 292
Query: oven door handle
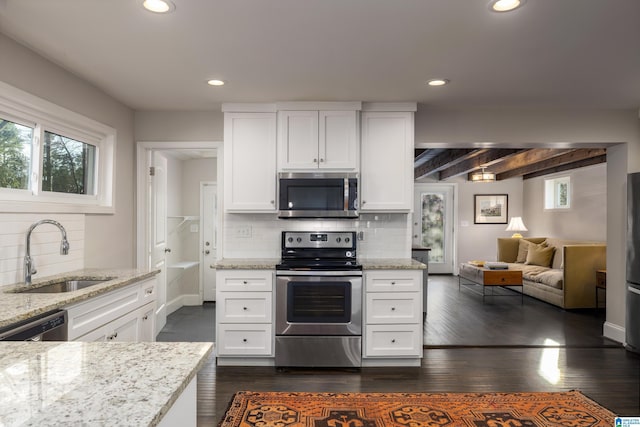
348, 273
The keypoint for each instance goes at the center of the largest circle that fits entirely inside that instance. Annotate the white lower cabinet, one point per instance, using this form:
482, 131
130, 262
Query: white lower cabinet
126, 314
244, 313
393, 314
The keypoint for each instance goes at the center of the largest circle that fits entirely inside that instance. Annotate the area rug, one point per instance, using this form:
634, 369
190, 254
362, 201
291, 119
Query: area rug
282, 409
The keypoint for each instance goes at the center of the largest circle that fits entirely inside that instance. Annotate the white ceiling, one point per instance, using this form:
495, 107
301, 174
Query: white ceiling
549, 53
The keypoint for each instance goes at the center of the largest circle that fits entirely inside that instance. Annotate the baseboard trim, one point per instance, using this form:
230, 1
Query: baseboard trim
181, 301
614, 332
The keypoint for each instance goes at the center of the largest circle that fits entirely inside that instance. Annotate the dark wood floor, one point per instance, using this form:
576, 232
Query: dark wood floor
469, 347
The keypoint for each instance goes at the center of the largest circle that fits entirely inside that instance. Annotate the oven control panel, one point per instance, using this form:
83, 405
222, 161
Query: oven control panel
321, 239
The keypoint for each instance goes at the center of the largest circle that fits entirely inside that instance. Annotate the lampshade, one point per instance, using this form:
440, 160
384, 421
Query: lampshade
516, 225
483, 176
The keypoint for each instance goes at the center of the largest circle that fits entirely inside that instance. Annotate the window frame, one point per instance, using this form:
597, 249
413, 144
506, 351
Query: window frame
23, 108
552, 194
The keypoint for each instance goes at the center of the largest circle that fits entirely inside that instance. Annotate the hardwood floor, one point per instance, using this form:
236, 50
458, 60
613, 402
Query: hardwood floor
469, 347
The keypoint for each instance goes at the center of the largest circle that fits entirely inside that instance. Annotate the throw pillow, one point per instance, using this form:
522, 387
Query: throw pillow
523, 248
540, 255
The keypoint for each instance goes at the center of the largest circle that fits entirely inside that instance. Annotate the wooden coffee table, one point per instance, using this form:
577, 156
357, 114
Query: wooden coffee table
487, 278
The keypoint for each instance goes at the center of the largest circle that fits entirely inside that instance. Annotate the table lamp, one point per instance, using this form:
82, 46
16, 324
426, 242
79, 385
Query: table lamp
516, 225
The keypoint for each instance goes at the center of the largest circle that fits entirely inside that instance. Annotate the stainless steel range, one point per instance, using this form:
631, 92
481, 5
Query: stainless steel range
318, 300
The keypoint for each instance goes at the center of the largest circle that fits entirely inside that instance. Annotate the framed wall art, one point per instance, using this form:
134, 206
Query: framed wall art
490, 208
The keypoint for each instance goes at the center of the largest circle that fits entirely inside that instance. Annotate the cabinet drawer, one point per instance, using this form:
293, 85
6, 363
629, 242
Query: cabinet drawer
147, 291
244, 307
392, 340
88, 315
241, 340
393, 281
384, 307
244, 280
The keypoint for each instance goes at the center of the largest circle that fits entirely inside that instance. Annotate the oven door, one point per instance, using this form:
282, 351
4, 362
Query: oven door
318, 303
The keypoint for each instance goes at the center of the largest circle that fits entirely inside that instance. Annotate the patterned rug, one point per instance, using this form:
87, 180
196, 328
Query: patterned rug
283, 409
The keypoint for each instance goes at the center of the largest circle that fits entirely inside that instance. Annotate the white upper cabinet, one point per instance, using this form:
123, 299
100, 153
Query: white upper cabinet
311, 139
386, 165
250, 162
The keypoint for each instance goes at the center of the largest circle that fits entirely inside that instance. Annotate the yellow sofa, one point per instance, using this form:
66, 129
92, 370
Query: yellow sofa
569, 282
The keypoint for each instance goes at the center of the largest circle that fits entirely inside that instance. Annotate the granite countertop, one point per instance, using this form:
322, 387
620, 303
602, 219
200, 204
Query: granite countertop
80, 383
246, 264
392, 264
270, 264
16, 307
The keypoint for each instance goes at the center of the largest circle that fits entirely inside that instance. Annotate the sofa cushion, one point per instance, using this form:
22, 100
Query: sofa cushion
540, 255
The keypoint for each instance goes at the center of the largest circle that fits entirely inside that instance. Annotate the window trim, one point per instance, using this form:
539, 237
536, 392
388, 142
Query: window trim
551, 200
23, 107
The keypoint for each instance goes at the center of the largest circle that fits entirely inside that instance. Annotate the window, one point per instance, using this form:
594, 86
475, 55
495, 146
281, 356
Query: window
557, 193
15, 154
52, 159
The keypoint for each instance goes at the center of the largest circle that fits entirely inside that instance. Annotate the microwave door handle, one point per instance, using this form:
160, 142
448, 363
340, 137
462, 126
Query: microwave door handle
346, 194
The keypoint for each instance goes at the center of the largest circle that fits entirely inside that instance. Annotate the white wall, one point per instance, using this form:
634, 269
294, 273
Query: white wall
108, 239
45, 245
587, 217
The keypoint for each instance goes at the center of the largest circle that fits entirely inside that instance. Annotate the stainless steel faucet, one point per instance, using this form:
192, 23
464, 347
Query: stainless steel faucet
29, 268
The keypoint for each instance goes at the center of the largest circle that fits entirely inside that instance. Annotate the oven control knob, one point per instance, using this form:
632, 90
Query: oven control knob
349, 254
299, 240
290, 240
346, 240
338, 239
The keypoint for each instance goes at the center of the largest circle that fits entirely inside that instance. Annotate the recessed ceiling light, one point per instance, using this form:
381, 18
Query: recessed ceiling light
437, 82
505, 5
159, 6
215, 82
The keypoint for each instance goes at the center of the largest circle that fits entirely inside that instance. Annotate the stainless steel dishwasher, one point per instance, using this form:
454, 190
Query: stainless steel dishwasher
51, 326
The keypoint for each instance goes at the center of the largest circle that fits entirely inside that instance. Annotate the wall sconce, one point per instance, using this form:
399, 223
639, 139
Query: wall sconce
516, 225
483, 176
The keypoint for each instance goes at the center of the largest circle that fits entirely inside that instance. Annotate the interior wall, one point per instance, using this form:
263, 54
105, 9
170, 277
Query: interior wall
175, 230
587, 217
109, 240
479, 241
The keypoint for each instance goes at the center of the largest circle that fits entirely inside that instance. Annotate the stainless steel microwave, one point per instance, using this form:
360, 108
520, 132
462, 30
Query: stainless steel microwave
318, 195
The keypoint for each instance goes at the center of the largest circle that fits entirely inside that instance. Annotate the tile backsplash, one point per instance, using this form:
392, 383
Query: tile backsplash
259, 235
45, 245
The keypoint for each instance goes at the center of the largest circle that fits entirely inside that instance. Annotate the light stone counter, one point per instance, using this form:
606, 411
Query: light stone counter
15, 307
94, 384
392, 264
246, 264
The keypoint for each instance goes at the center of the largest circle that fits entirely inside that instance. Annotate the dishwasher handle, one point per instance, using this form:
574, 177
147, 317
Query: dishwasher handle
51, 326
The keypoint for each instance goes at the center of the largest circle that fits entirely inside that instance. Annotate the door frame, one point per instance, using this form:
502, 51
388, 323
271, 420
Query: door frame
201, 242
143, 148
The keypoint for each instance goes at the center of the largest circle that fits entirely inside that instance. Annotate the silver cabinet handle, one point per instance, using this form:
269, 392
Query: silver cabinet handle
393, 341
393, 309
167, 250
244, 340
315, 160
207, 252
148, 291
321, 160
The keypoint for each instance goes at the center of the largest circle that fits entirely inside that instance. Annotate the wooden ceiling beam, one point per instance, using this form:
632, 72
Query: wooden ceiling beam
575, 165
554, 162
441, 161
483, 158
527, 157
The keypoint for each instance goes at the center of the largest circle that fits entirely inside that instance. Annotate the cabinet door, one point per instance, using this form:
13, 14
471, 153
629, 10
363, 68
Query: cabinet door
244, 307
298, 140
338, 140
393, 340
386, 165
147, 323
250, 162
124, 329
244, 340
388, 308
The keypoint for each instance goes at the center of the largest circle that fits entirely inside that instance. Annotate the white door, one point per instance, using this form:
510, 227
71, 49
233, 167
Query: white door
433, 225
158, 232
208, 215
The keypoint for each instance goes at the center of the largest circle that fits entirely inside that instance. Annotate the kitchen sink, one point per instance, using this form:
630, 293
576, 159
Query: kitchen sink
64, 286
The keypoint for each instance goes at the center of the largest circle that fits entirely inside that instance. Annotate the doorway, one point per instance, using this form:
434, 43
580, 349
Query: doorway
433, 225
181, 260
